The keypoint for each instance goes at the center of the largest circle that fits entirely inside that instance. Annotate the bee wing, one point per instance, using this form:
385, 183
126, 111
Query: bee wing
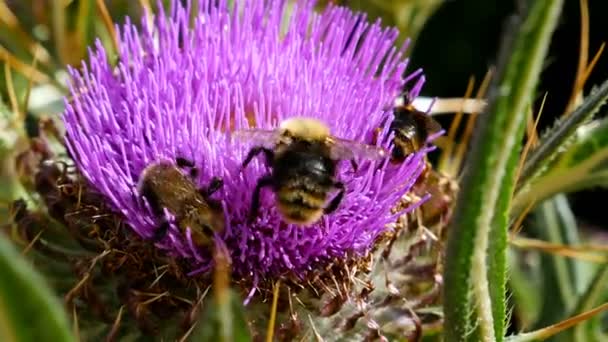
431, 125
349, 149
258, 137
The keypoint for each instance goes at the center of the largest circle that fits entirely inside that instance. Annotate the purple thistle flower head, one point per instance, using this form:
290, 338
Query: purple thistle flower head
180, 89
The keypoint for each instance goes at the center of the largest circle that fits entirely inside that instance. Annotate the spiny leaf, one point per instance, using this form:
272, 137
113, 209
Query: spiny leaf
481, 214
28, 309
591, 140
582, 165
555, 139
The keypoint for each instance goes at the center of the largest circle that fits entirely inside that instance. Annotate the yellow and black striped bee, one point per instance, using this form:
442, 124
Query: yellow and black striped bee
303, 157
411, 128
165, 186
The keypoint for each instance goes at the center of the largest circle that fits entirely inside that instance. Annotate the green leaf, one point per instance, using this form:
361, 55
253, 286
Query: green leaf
592, 297
475, 278
28, 309
524, 284
562, 277
583, 164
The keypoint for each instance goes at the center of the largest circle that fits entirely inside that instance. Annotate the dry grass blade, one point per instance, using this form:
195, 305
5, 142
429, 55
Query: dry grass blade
583, 57
596, 58
59, 30
31, 244
518, 224
107, 21
545, 333
115, 326
221, 291
444, 160
531, 132
595, 247
27, 70
468, 132
532, 139
557, 249
76, 324
8, 18
314, 330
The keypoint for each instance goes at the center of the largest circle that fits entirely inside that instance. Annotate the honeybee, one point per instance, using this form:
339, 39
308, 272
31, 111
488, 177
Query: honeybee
303, 156
412, 129
165, 186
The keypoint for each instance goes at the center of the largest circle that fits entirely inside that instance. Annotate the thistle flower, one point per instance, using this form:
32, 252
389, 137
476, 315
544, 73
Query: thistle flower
180, 88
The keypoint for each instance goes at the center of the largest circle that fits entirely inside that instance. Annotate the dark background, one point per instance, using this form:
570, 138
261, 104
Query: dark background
462, 40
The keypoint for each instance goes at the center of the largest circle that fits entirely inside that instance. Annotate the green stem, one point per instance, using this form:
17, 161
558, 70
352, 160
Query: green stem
487, 187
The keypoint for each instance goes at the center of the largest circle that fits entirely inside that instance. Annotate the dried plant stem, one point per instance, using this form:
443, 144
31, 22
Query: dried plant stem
575, 252
479, 274
446, 155
545, 333
273, 311
456, 165
107, 21
475, 271
532, 137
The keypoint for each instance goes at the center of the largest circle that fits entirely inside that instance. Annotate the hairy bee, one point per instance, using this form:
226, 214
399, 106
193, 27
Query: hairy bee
165, 186
303, 156
411, 128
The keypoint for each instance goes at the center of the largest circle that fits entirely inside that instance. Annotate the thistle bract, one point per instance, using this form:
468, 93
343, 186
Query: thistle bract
185, 81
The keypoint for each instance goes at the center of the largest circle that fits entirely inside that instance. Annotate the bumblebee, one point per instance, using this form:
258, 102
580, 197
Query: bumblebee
411, 128
303, 158
165, 186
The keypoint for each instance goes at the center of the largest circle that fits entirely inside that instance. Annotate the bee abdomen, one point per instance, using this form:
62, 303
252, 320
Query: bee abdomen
300, 215
301, 199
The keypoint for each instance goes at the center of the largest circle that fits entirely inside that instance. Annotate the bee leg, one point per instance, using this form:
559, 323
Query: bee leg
255, 201
160, 232
335, 202
185, 163
255, 151
215, 184
146, 140
354, 165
